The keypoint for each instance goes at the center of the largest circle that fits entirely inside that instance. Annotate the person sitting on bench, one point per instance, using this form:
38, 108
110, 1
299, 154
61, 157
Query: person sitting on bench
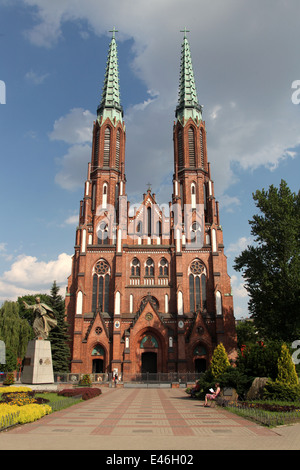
213, 395
195, 389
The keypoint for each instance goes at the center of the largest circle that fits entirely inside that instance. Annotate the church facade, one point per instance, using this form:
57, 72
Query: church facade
149, 289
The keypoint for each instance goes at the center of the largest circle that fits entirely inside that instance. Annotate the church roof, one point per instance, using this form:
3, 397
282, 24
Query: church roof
110, 104
188, 105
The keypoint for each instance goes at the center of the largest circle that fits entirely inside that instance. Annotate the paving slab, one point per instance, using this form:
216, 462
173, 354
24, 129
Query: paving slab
147, 420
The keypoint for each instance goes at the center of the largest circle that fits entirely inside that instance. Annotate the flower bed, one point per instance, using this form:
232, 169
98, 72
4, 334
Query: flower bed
266, 414
85, 392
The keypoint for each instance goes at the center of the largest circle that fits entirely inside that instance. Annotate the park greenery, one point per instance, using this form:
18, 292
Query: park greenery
271, 269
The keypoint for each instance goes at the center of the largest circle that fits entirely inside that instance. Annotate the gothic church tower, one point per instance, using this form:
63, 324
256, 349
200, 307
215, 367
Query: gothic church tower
148, 291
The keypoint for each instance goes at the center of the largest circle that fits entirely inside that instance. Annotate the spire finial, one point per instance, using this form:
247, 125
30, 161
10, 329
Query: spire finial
184, 31
114, 30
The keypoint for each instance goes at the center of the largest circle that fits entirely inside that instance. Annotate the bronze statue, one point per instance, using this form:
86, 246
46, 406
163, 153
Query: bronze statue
44, 319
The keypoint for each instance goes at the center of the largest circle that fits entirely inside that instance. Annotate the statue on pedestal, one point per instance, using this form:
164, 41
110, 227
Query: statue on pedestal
44, 318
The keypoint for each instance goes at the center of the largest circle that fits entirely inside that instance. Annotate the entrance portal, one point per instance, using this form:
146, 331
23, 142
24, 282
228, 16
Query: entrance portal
98, 366
200, 365
149, 362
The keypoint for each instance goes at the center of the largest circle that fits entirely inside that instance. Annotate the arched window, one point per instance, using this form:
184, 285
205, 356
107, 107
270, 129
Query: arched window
219, 303
102, 233
180, 150
104, 196
191, 147
96, 149
135, 267
202, 148
163, 267
196, 234
106, 147
79, 302
149, 221
118, 149
100, 293
197, 286
193, 195
149, 267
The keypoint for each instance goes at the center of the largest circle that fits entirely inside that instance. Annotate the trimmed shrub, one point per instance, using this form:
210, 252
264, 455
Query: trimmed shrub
86, 393
280, 391
219, 361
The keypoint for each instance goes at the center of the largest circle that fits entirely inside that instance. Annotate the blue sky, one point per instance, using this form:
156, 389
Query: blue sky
52, 61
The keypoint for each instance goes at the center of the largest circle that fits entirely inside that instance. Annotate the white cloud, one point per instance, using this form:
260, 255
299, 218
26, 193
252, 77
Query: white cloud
74, 128
73, 167
237, 247
28, 271
243, 69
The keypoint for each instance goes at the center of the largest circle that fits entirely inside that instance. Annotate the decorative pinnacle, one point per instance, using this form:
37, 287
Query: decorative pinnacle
184, 31
114, 30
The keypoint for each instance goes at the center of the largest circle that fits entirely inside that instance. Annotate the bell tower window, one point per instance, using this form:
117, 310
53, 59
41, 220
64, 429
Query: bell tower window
106, 147
191, 148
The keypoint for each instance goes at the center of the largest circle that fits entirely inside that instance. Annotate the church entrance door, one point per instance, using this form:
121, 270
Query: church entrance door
98, 366
149, 362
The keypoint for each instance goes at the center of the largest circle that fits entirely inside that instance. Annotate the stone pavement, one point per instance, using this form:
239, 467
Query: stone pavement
147, 419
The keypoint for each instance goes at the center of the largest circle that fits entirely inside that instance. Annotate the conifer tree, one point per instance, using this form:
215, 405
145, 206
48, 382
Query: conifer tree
59, 336
219, 362
286, 368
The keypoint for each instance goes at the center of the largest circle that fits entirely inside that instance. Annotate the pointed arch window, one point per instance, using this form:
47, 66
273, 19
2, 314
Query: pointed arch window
100, 293
118, 149
149, 267
163, 267
96, 148
196, 234
201, 148
191, 147
102, 233
149, 221
180, 150
135, 268
193, 195
219, 309
106, 147
197, 286
104, 196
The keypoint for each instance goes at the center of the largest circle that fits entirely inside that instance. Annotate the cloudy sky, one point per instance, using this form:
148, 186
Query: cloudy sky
52, 61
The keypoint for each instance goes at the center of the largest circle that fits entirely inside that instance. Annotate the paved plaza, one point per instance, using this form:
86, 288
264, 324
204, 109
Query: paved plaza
147, 419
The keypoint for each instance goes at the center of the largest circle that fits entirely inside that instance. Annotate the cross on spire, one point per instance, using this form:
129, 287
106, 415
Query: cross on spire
185, 31
114, 30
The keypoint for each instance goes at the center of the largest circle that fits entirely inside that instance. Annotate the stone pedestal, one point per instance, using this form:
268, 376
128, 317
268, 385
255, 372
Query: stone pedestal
38, 367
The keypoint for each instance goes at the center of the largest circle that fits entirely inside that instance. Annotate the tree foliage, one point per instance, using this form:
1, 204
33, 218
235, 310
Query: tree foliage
219, 362
271, 268
286, 368
14, 330
59, 336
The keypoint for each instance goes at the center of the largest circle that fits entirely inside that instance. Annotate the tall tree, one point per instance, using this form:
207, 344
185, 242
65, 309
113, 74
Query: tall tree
271, 268
14, 330
59, 336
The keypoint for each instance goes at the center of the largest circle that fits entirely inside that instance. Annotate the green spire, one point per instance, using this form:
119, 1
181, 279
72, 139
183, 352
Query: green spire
110, 105
188, 105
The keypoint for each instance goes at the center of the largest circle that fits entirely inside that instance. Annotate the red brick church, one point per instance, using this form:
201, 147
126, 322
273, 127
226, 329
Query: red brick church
149, 289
